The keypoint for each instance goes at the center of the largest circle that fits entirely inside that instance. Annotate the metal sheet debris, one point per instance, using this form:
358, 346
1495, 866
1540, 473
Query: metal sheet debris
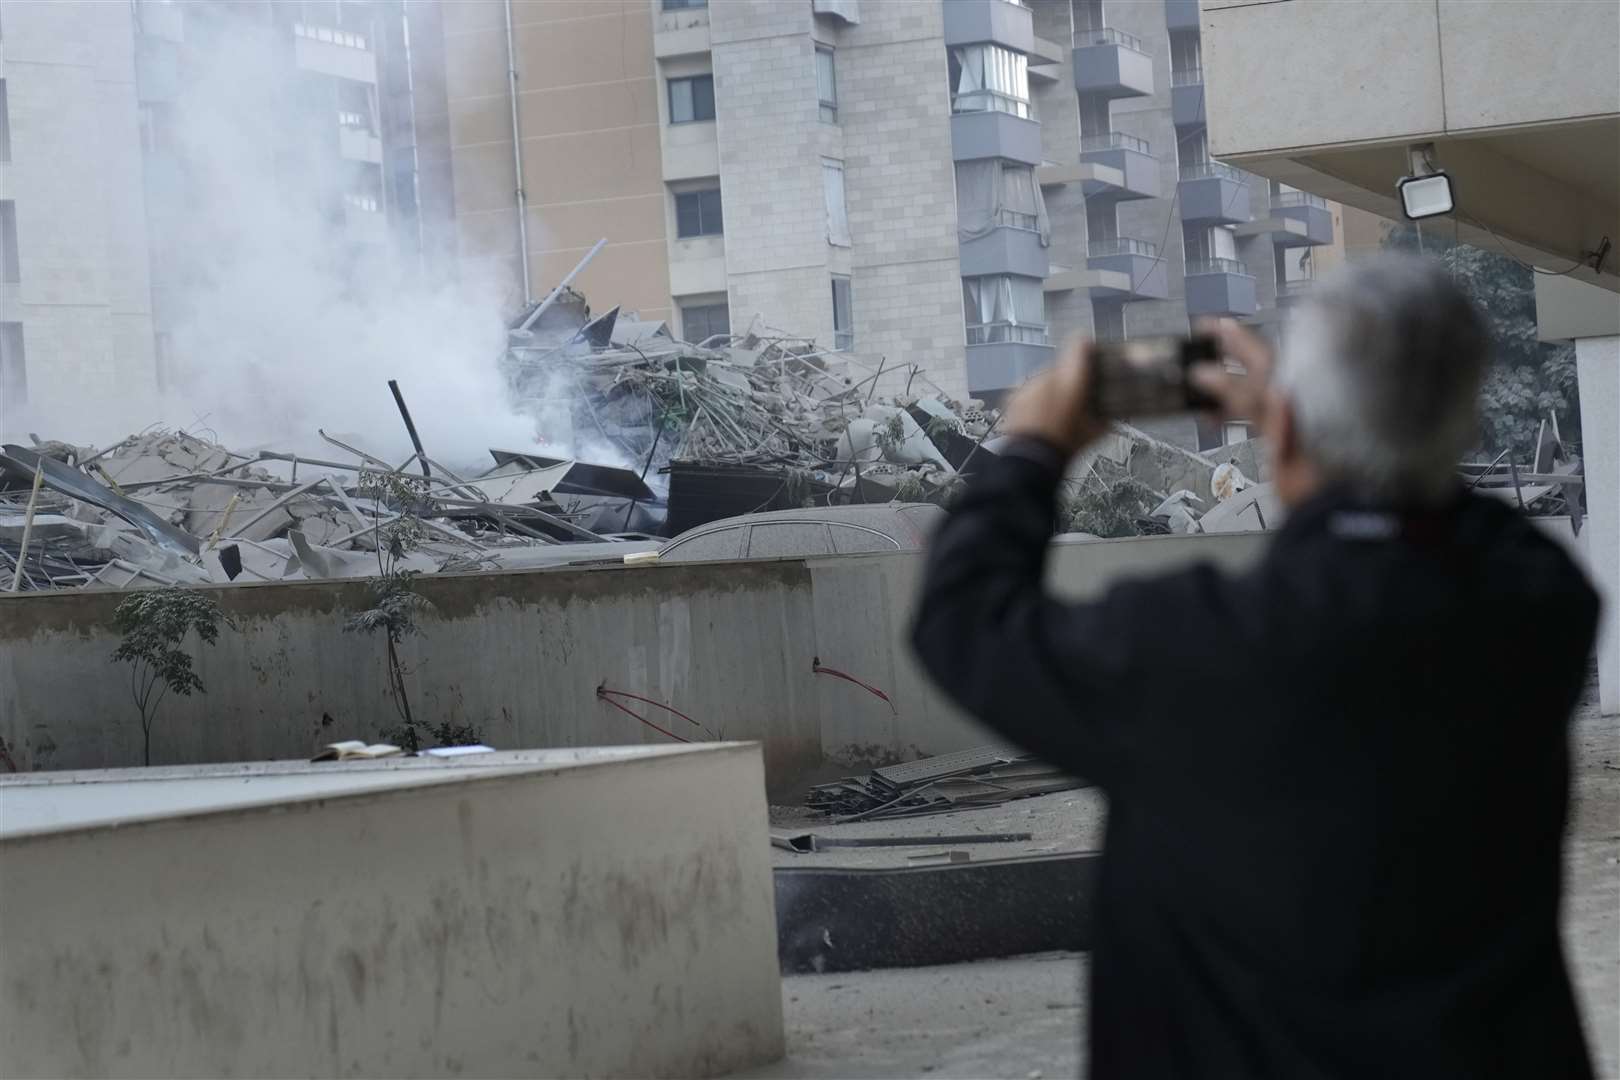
983, 776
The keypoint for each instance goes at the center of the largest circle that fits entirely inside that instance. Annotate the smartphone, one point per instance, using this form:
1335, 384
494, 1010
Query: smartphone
1148, 376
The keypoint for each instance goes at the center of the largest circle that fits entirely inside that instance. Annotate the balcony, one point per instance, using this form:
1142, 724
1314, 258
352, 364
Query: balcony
1012, 247
1290, 293
995, 134
846, 11
1309, 210
1000, 22
1127, 155
342, 54
1111, 63
994, 366
1219, 287
1213, 194
1187, 97
1143, 273
1181, 14
357, 143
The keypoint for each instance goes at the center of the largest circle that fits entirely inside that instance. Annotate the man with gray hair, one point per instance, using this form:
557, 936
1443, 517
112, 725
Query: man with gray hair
1336, 782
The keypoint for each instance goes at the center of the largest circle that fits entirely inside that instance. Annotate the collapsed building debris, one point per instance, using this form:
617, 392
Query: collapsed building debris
757, 421
983, 776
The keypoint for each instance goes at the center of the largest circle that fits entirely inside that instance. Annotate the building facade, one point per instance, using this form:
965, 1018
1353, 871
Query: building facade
955, 184
154, 153
75, 296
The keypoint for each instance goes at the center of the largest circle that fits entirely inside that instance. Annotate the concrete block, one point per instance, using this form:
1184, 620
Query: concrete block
600, 912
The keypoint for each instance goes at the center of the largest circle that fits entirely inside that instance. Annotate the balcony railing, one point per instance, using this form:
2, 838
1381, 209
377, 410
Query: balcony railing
1187, 77
1122, 245
1015, 219
997, 332
1216, 266
1298, 198
974, 101
330, 34
1294, 287
1114, 140
1108, 36
1201, 170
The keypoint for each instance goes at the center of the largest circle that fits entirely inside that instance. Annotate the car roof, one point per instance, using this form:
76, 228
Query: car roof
908, 523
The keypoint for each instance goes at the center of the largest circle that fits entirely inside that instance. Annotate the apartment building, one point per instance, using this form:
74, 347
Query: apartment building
75, 301
955, 184
328, 155
140, 145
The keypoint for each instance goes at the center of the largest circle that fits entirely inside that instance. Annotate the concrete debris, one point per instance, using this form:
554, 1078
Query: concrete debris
980, 777
760, 406
164, 508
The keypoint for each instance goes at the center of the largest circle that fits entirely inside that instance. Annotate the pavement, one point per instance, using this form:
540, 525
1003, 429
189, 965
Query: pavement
1023, 1017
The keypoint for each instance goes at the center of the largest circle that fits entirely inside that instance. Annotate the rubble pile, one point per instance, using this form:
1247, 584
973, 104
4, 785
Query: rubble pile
763, 405
731, 425
165, 508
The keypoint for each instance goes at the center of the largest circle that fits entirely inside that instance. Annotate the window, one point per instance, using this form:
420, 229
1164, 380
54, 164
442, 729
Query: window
9, 271
853, 540
992, 193
1210, 250
723, 543
843, 314
1003, 308
1234, 431
1094, 118
1108, 321
5, 125
1292, 265
13, 368
1186, 57
1087, 14
832, 183
691, 99
1102, 221
989, 78
684, 5
697, 213
702, 321
827, 84
789, 538
1194, 149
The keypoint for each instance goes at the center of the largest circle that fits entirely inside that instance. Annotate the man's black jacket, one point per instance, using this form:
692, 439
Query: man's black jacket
1336, 783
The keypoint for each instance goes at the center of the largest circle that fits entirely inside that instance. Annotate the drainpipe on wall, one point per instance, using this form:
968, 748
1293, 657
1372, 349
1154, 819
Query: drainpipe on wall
517, 159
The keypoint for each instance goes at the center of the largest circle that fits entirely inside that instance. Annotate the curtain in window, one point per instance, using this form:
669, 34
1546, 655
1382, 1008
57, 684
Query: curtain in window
1021, 195
1000, 304
976, 183
826, 77
1222, 242
992, 192
1026, 304
832, 184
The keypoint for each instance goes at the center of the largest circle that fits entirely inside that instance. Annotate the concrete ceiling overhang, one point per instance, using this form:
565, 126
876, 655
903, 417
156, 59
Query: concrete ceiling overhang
1547, 194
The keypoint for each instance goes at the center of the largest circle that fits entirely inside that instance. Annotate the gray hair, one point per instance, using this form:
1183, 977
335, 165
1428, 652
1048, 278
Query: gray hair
1383, 364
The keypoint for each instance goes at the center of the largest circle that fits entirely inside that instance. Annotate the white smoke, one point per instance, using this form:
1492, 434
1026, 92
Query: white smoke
284, 325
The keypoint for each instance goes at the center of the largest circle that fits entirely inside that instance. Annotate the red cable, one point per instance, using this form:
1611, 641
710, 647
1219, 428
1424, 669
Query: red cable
602, 690
602, 695
819, 669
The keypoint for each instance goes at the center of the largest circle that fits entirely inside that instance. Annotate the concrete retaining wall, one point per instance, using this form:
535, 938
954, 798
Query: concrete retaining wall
552, 914
520, 655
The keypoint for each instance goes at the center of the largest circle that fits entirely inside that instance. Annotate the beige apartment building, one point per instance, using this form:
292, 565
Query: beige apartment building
955, 184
